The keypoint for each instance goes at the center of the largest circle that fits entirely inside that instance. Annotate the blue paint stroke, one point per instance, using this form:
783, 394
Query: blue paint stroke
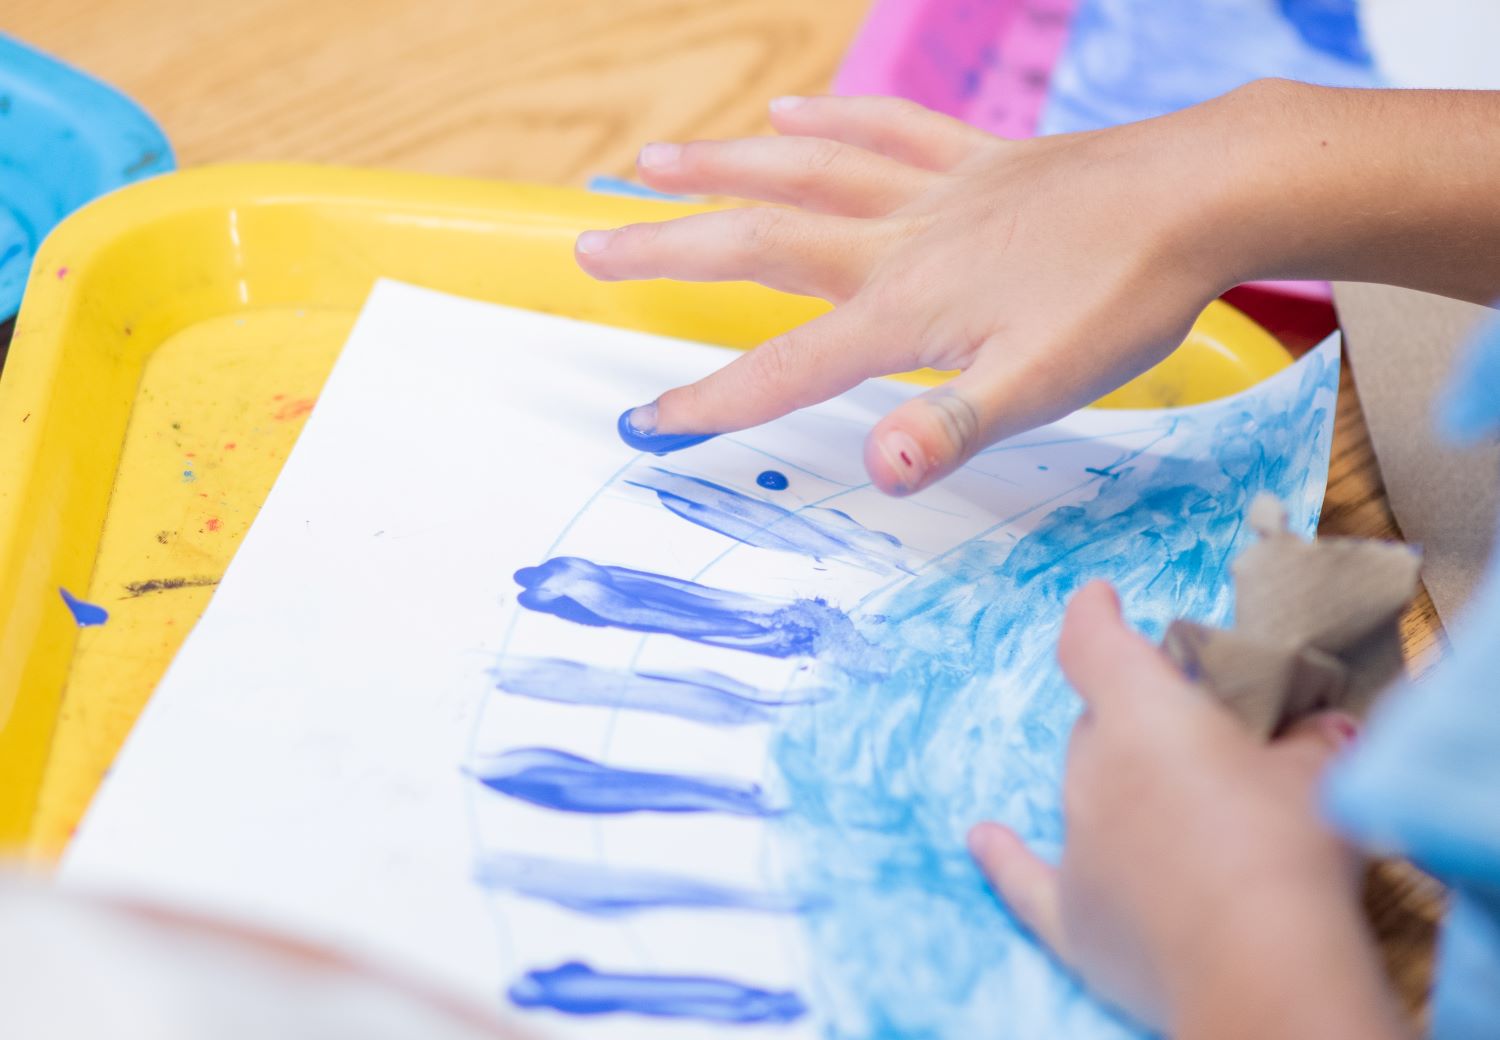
972, 721
84, 613
823, 534
656, 443
570, 783
577, 989
588, 593
699, 696
604, 891
773, 480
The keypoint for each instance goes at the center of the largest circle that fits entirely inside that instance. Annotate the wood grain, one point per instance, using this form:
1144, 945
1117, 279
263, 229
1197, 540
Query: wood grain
556, 91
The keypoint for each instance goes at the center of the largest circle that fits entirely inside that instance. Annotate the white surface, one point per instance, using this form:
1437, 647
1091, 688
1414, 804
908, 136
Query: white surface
302, 764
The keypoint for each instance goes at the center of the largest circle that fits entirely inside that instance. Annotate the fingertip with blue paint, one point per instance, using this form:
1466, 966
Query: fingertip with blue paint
637, 428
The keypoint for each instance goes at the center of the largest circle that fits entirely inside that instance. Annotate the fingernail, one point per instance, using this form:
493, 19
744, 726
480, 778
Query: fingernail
594, 241
904, 457
1344, 729
786, 104
660, 156
637, 428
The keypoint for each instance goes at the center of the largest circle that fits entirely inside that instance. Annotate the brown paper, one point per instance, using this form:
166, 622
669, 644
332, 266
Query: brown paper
1315, 625
1402, 345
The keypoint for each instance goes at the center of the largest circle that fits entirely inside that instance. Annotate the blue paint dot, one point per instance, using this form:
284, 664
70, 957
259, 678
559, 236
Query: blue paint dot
84, 613
1041, 467
771, 480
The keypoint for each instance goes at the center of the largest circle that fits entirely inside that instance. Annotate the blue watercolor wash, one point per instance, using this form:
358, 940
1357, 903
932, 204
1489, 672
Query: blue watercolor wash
84, 613
65, 139
605, 891
813, 531
971, 719
657, 443
577, 989
570, 783
773, 480
588, 593
699, 696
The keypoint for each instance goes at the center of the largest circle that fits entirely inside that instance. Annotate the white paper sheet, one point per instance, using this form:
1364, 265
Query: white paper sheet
314, 759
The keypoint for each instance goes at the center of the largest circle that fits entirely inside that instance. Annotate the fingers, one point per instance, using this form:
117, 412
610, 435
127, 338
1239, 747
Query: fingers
894, 127
1105, 659
801, 253
808, 364
809, 172
1026, 884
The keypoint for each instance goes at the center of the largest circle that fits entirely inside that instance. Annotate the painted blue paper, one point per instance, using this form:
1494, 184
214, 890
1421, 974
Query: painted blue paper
939, 702
65, 138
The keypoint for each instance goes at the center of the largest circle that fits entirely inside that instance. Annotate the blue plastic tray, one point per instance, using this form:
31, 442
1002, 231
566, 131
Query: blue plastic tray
65, 138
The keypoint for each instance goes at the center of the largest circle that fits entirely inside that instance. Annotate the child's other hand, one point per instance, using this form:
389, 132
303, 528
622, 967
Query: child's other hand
1049, 271
1198, 889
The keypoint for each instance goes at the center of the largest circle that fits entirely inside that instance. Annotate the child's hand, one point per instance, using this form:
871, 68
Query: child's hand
1198, 889
1049, 271
1054, 269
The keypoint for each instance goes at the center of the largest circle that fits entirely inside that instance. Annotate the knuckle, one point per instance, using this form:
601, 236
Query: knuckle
775, 360
638, 236
821, 155
956, 420
760, 229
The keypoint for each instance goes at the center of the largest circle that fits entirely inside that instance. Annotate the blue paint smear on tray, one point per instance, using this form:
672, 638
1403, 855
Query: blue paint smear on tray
971, 722
65, 139
84, 613
570, 783
699, 696
605, 891
588, 593
821, 533
577, 989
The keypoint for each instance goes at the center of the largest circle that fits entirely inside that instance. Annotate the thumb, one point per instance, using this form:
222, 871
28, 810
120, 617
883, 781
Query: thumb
1024, 882
924, 439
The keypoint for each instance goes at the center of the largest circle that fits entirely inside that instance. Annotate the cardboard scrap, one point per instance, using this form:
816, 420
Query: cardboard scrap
1315, 625
1402, 346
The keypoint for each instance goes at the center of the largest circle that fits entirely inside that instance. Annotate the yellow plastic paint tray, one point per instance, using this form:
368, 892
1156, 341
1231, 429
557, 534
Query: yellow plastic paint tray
175, 335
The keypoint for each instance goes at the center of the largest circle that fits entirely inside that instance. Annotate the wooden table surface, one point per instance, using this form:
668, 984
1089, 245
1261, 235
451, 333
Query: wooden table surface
553, 90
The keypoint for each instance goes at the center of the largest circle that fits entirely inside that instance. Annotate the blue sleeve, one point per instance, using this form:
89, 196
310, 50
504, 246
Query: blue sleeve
1424, 780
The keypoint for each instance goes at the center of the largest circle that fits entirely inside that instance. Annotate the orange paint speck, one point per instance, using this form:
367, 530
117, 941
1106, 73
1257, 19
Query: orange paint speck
213, 523
294, 409
229, 446
62, 272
